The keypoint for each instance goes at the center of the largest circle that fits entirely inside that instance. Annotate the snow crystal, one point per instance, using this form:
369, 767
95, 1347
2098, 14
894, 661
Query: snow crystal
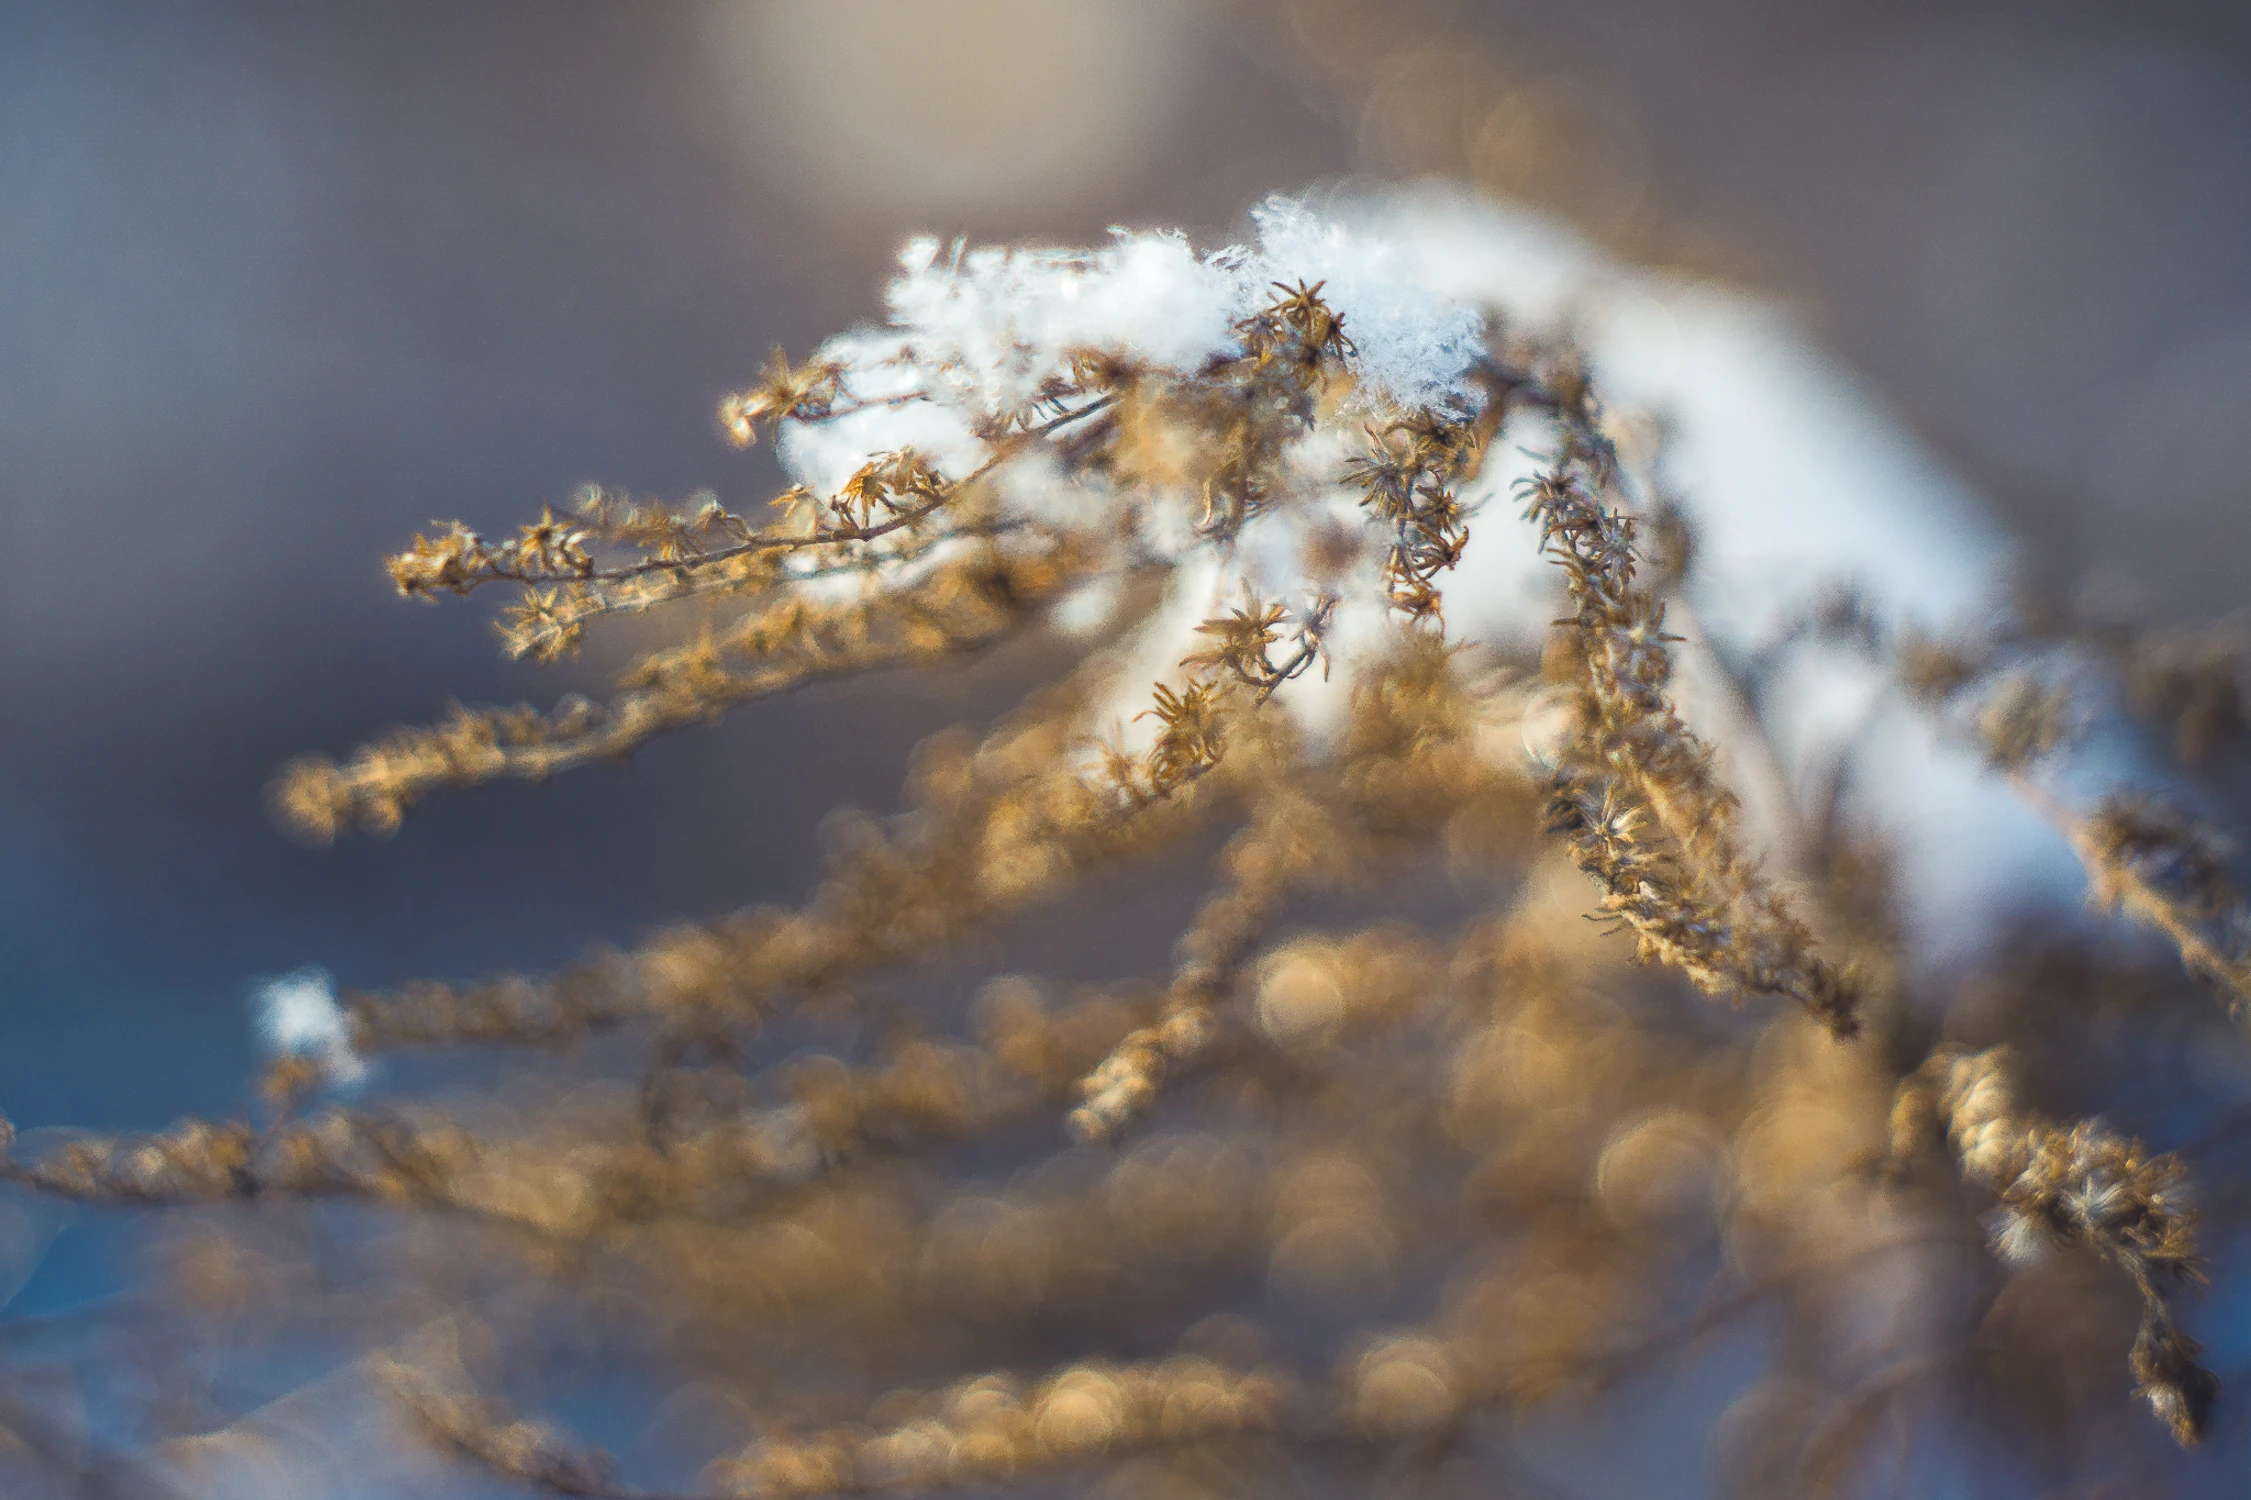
1416, 345
298, 1017
1796, 479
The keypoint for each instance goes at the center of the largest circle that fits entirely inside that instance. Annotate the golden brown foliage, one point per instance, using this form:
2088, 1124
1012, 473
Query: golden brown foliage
1323, 1193
1636, 795
2077, 1188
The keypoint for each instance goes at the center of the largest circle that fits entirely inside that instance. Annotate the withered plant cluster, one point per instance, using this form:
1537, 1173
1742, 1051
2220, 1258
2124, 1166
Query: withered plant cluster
1389, 1148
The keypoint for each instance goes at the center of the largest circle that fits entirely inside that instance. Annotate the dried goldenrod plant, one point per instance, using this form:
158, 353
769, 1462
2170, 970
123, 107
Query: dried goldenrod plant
1389, 1145
2083, 1187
